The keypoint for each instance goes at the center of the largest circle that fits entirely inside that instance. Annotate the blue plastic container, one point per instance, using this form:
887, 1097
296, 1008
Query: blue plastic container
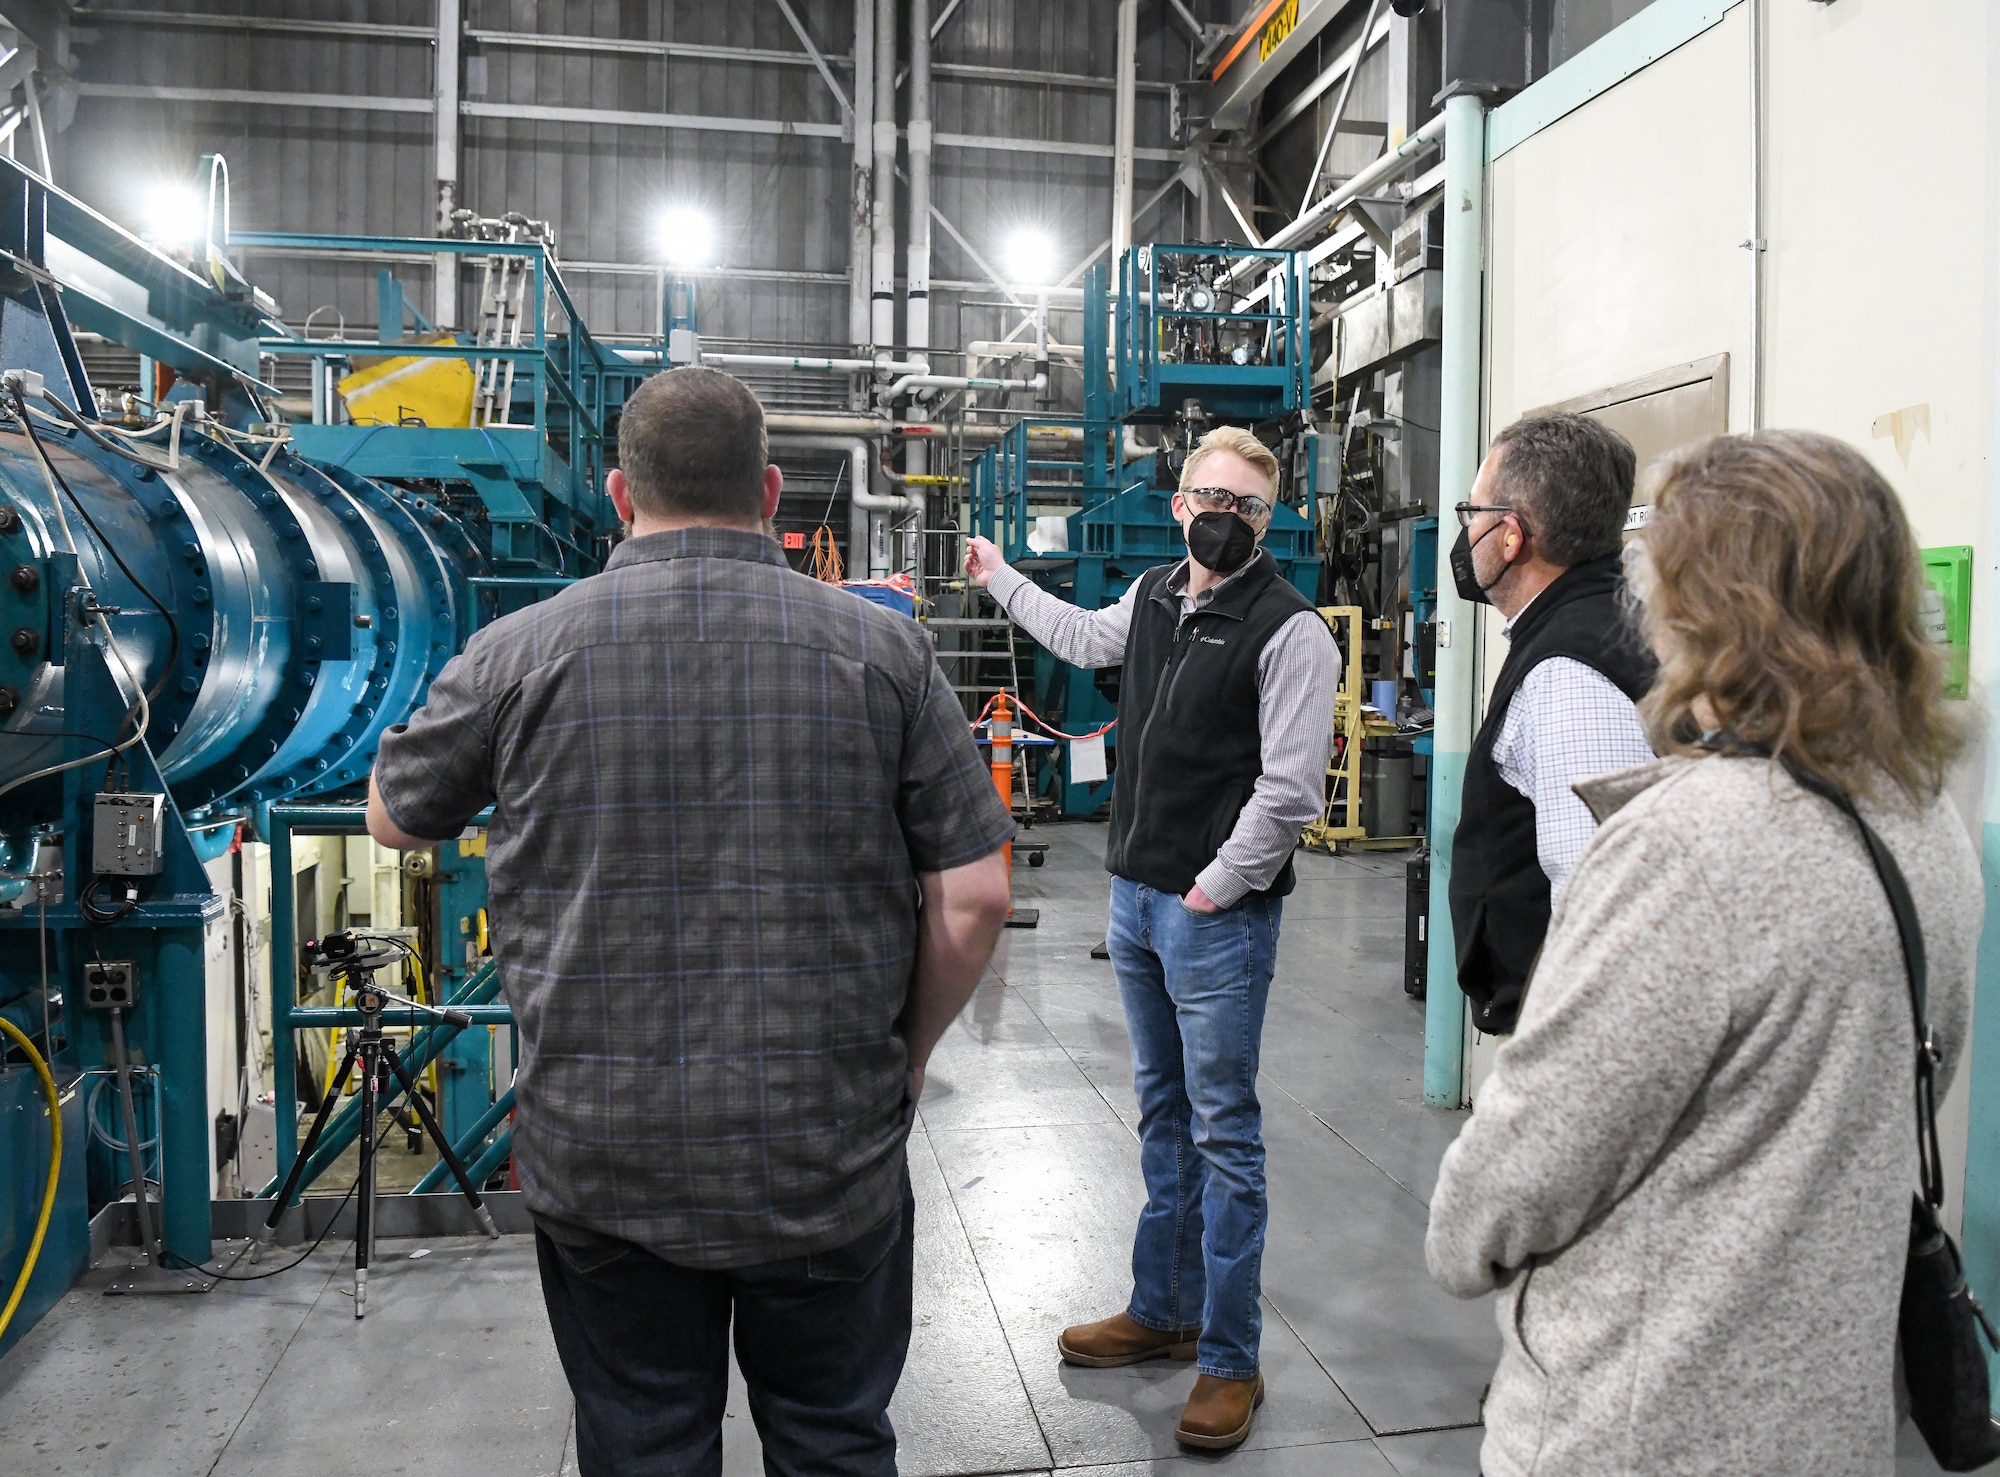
886, 596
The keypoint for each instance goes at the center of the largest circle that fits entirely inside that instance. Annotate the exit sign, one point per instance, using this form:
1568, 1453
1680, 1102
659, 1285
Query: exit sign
795, 541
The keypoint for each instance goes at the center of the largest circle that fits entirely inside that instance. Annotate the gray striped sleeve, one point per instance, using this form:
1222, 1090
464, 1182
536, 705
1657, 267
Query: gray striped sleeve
1297, 677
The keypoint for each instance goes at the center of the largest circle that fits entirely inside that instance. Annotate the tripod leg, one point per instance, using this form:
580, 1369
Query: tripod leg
283, 1203
364, 1206
445, 1150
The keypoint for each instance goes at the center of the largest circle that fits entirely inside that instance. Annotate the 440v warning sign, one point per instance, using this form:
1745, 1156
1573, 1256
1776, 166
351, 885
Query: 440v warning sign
1276, 29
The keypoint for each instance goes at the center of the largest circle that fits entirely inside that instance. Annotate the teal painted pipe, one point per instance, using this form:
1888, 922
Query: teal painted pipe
424, 1047
1444, 1004
1981, 1236
320, 1017
495, 1155
212, 842
474, 1137
284, 997
1457, 672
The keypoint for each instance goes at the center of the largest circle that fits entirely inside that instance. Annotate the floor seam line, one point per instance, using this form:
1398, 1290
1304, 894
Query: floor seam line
972, 1248
264, 1384
1352, 1404
1069, 1056
1359, 1152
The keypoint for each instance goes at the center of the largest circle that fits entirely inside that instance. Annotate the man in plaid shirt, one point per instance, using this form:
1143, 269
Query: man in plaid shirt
745, 869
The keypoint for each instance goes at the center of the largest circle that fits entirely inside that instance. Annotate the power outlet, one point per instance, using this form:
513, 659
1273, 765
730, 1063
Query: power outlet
111, 984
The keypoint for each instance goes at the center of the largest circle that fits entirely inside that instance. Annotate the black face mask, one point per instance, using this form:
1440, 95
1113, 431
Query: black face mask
1464, 573
1222, 542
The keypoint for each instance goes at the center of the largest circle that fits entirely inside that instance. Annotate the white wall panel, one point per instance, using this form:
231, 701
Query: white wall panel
1614, 238
1614, 252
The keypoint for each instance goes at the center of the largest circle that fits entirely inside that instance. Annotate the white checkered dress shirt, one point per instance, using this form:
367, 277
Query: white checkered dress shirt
1566, 723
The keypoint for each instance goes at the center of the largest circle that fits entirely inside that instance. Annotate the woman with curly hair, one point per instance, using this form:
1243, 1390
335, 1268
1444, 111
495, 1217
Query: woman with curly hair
1690, 1170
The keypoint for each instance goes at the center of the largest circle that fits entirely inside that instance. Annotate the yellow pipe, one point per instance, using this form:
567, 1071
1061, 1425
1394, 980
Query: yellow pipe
55, 1169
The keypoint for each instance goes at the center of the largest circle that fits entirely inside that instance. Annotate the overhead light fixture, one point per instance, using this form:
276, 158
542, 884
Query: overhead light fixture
687, 238
1031, 259
175, 215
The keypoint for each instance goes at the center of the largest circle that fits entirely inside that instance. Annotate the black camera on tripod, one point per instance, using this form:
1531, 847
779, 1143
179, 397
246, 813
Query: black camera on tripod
355, 956
351, 952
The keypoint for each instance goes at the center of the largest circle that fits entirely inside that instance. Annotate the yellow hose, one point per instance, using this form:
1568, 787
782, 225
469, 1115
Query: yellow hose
55, 1170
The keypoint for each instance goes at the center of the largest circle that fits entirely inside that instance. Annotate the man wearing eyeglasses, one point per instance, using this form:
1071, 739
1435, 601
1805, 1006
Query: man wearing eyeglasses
1540, 541
1225, 718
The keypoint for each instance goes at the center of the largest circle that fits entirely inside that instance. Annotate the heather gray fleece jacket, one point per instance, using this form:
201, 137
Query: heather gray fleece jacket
1690, 1170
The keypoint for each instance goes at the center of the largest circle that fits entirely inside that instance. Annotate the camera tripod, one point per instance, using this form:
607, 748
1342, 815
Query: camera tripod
374, 1052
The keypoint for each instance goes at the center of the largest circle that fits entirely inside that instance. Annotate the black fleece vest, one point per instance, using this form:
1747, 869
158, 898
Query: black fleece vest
1189, 744
1499, 893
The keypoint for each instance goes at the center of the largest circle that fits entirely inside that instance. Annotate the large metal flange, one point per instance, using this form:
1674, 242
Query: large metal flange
24, 606
428, 634
178, 583
229, 779
332, 765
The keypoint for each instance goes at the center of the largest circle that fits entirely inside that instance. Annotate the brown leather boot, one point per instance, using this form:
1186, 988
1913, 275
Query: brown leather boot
1118, 1340
1219, 1412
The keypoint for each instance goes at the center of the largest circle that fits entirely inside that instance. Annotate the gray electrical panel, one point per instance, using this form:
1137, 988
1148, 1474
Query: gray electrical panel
1488, 47
128, 834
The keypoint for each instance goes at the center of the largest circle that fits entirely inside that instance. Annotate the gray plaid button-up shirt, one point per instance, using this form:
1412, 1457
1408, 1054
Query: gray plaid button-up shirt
714, 782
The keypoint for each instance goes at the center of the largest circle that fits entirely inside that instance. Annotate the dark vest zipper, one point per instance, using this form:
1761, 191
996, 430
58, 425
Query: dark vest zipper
1170, 673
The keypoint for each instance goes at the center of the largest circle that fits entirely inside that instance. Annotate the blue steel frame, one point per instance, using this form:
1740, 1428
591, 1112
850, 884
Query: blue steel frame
289, 1017
1154, 387
1120, 525
116, 285
569, 383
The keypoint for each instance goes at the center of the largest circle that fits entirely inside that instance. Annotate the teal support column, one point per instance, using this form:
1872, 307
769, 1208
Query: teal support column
1458, 463
284, 993
1980, 1241
177, 1025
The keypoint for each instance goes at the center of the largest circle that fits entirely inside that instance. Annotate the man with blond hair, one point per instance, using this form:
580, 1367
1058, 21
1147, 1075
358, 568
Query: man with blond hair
1225, 717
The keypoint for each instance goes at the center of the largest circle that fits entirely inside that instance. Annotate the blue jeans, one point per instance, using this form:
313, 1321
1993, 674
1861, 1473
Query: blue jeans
1194, 987
645, 1343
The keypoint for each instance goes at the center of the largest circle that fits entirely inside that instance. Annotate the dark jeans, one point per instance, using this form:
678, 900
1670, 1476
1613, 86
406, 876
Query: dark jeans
820, 1340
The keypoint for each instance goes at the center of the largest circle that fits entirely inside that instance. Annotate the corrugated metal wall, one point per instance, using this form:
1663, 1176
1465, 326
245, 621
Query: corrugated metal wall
780, 202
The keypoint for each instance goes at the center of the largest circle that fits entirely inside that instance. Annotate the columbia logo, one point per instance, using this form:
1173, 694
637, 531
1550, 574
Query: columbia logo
1212, 640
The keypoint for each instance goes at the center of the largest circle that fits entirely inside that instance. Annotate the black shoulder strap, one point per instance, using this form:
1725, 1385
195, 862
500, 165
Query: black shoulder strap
1930, 1161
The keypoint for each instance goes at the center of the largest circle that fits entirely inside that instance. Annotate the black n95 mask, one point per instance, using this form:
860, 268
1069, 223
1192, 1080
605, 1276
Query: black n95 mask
1222, 542
1464, 574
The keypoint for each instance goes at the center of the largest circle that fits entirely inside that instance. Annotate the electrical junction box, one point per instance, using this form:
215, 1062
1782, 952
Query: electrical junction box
111, 984
1947, 612
128, 834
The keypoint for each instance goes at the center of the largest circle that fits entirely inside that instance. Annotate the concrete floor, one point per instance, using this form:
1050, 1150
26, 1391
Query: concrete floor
1027, 1185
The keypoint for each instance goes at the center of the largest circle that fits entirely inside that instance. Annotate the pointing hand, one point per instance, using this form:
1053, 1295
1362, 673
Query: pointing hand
982, 560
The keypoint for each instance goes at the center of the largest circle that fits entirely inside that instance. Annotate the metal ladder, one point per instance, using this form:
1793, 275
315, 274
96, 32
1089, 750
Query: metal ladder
980, 671
503, 289
978, 657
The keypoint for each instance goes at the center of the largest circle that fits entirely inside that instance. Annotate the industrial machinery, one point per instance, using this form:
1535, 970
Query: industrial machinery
211, 617
1195, 336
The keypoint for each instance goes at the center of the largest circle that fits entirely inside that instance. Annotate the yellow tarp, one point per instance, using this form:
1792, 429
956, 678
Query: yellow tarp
407, 389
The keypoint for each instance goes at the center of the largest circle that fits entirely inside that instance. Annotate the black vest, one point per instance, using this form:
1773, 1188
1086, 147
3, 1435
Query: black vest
1189, 745
1499, 892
